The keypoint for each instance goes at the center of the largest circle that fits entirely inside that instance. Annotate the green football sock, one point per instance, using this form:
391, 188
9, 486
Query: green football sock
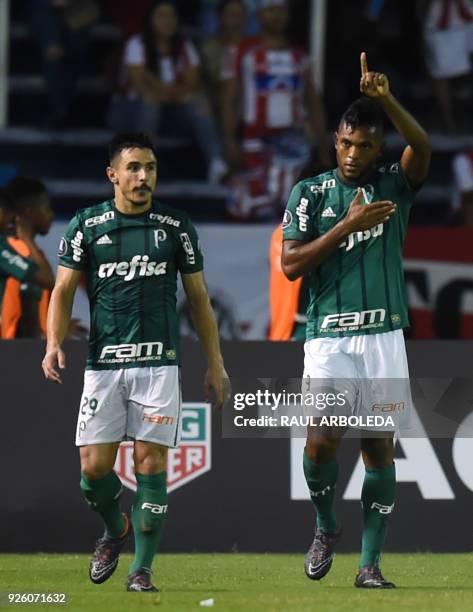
321, 479
102, 496
377, 498
147, 516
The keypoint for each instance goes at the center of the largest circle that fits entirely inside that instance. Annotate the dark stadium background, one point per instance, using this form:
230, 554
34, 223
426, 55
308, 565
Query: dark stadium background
255, 511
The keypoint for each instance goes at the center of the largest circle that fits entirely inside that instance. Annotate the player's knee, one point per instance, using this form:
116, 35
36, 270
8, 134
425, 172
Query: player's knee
150, 464
150, 458
95, 469
378, 453
320, 450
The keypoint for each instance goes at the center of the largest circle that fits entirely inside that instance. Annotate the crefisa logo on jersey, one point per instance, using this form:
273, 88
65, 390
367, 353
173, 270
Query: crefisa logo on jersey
192, 459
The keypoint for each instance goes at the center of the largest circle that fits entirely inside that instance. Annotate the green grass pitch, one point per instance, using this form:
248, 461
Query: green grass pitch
248, 583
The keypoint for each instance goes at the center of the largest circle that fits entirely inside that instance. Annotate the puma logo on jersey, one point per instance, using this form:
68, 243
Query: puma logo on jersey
140, 265
104, 240
328, 212
357, 237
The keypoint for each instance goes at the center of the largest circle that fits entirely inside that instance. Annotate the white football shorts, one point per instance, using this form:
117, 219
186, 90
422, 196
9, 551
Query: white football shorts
368, 373
131, 403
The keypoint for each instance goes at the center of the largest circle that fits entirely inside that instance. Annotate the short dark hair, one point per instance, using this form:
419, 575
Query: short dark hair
21, 189
130, 140
364, 112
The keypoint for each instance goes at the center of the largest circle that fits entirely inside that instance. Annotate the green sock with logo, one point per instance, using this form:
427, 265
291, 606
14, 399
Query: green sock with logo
377, 499
103, 495
321, 479
147, 517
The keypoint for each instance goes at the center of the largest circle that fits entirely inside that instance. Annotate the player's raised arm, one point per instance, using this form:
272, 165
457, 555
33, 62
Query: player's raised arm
205, 324
59, 316
415, 160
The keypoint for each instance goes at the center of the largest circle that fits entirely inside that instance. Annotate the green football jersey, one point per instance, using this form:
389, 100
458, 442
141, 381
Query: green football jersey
360, 288
131, 264
13, 264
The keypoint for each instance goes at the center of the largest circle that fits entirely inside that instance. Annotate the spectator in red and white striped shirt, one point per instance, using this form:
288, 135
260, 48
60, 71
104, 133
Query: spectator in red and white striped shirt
270, 107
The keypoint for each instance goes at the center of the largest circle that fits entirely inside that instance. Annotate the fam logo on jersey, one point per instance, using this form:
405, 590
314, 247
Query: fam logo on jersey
186, 463
99, 219
328, 184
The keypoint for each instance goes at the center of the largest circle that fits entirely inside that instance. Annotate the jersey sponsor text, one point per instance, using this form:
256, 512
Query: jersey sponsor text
352, 321
124, 353
140, 265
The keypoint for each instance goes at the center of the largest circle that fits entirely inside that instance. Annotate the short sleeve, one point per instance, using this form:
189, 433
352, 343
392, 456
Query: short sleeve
189, 256
298, 221
134, 52
72, 252
400, 180
14, 264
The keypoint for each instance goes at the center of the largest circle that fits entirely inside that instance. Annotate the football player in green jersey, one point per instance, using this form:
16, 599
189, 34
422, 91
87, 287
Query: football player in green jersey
131, 250
35, 268
345, 230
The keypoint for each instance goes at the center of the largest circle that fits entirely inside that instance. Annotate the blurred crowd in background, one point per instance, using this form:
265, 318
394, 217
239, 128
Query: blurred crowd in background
234, 77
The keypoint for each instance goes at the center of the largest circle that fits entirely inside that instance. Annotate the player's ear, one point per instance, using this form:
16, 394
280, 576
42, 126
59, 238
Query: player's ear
112, 175
335, 138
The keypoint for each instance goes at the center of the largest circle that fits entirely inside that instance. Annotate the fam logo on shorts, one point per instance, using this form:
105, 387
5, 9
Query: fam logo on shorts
193, 457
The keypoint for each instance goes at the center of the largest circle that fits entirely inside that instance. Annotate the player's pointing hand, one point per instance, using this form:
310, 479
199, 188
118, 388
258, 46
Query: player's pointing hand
372, 84
53, 359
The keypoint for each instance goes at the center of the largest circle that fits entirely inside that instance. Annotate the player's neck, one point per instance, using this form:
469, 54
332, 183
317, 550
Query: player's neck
360, 180
127, 208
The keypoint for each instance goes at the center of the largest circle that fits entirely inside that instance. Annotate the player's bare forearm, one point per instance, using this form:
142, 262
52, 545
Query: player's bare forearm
59, 316
60, 305
412, 132
298, 258
207, 330
216, 378
415, 160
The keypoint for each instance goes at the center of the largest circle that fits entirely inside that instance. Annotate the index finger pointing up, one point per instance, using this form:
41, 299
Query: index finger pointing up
364, 64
